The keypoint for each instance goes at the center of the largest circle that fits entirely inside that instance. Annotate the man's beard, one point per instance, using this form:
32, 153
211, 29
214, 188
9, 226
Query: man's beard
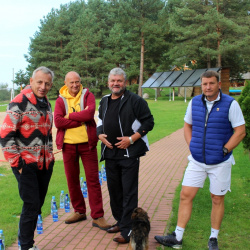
120, 92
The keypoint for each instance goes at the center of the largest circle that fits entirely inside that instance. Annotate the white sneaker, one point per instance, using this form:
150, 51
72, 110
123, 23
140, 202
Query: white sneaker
34, 248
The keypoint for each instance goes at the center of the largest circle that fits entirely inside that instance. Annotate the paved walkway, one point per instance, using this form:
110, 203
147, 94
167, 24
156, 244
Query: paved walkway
161, 171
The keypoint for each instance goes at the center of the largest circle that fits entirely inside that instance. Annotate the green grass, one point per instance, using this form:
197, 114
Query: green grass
235, 231
3, 106
168, 118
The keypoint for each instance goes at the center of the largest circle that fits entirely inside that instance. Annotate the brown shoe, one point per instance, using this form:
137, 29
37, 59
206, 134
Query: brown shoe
114, 229
101, 223
120, 239
75, 217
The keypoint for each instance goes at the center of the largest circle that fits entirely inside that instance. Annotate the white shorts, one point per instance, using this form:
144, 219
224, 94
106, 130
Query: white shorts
219, 175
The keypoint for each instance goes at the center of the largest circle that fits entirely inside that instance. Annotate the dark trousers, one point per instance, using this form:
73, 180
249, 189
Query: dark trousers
122, 180
71, 154
33, 185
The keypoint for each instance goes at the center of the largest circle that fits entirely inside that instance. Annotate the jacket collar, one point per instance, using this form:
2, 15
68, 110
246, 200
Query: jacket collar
203, 97
27, 91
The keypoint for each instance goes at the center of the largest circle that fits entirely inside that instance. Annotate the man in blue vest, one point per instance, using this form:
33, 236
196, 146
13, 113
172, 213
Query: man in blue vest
214, 126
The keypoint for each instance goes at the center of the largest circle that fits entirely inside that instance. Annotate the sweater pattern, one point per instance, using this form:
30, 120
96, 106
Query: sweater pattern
26, 133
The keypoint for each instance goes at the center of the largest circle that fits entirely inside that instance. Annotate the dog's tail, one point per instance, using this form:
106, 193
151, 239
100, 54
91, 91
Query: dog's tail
139, 240
138, 245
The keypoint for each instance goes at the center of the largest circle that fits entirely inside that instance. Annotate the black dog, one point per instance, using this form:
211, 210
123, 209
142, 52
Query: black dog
140, 230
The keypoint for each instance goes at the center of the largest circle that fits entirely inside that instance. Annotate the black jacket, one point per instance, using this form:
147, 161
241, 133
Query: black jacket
134, 116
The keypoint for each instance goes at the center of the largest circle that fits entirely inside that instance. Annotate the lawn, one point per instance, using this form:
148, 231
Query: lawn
235, 231
168, 117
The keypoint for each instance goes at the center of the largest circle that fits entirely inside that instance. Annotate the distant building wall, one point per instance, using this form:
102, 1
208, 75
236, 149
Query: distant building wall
197, 91
225, 82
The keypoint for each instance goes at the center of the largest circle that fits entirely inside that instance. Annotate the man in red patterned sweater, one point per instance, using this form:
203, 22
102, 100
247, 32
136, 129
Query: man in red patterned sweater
26, 140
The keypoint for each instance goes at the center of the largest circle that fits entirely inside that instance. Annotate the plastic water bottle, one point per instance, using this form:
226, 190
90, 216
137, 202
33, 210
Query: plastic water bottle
39, 224
100, 177
53, 199
1, 245
85, 190
18, 242
55, 212
81, 184
103, 170
2, 239
67, 204
62, 199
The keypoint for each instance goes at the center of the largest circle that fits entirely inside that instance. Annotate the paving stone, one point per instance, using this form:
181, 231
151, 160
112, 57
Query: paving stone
161, 171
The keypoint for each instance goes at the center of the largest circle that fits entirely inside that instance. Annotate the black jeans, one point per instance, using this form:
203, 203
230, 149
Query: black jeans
33, 185
122, 180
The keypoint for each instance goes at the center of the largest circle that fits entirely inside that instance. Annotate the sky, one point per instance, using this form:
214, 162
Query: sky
19, 20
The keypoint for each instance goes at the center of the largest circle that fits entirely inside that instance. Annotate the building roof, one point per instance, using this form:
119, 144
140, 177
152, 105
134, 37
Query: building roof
246, 76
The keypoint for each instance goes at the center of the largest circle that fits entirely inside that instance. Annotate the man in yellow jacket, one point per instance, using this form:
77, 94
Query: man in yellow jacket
76, 136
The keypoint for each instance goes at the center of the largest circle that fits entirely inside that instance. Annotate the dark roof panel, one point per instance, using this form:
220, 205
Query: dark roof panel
151, 80
188, 78
182, 79
198, 82
214, 69
161, 79
171, 78
194, 78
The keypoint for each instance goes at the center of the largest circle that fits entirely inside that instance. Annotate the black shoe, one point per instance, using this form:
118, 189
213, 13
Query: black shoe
213, 244
114, 229
169, 241
120, 239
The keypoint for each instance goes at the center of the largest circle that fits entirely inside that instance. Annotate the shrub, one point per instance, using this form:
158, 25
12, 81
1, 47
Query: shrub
244, 102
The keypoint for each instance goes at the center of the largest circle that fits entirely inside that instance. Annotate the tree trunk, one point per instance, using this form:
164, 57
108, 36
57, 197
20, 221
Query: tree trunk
208, 57
218, 41
141, 65
208, 62
219, 55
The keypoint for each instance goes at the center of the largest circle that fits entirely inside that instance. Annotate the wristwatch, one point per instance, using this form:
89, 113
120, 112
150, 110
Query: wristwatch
225, 151
131, 141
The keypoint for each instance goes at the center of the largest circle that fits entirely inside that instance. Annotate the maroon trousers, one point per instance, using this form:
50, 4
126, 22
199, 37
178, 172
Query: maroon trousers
71, 154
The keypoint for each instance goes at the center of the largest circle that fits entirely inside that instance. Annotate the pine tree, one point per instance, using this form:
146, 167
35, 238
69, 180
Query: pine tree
139, 20
244, 102
208, 31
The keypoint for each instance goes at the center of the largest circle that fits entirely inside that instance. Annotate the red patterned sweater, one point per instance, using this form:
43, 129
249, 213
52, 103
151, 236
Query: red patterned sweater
26, 133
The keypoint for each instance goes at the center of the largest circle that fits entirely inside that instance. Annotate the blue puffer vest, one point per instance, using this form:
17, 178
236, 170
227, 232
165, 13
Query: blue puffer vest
207, 141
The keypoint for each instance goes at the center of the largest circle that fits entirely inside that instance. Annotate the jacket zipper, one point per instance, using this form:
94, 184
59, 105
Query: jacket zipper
121, 127
205, 130
102, 154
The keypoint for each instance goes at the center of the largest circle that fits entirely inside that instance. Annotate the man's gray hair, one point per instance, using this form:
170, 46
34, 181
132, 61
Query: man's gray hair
117, 71
44, 70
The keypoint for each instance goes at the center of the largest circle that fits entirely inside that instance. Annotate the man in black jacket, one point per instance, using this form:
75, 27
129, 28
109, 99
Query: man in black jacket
124, 120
